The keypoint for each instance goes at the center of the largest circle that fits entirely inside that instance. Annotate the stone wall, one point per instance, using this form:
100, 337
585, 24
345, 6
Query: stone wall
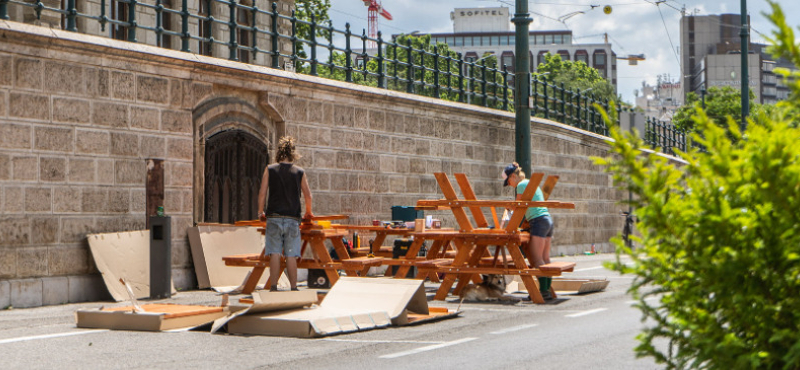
80, 114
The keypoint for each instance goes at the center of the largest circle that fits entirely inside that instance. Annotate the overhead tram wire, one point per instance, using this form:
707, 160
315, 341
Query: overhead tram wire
657, 3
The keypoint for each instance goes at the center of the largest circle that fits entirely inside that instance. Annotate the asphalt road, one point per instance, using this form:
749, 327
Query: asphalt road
592, 331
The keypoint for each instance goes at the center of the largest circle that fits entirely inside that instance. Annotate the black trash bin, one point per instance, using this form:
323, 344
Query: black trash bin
160, 257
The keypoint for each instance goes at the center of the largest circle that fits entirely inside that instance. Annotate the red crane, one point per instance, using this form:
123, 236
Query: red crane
374, 8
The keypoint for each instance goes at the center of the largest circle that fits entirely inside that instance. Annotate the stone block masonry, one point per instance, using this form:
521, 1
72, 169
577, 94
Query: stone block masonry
80, 114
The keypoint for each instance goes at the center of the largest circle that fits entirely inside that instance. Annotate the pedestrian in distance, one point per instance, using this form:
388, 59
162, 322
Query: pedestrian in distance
540, 224
281, 186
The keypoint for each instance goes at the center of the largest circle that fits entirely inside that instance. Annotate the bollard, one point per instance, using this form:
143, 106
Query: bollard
160, 257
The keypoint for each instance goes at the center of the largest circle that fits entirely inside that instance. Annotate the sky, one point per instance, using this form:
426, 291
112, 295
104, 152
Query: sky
634, 26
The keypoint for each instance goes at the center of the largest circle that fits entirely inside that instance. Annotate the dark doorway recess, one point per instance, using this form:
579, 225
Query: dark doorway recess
234, 161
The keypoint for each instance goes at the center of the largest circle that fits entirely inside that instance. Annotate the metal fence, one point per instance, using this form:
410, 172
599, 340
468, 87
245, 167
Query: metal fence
664, 135
248, 32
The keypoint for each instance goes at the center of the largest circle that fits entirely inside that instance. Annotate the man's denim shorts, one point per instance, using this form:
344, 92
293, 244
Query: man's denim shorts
542, 226
283, 236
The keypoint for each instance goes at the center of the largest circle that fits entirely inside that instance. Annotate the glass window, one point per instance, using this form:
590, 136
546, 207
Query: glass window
548, 39
459, 41
556, 39
467, 41
496, 40
451, 42
512, 40
539, 39
599, 59
485, 40
567, 39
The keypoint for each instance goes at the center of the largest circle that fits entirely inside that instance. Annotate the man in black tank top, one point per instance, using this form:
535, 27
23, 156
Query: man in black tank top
283, 182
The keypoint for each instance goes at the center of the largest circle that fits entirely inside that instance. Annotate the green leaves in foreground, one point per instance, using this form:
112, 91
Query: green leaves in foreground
719, 251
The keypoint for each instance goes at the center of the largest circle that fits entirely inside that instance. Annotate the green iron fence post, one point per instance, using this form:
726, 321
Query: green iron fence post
436, 88
563, 105
460, 78
505, 87
449, 74
535, 94
364, 53
233, 47
293, 22
254, 31
103, 17
132, 20
313, 45
410, 73
592, 122
159, 23
4, 10
330, 47
546, 103
483, 84
348, 72
275, 51
184, 25
381, 72
578, 109
72, 13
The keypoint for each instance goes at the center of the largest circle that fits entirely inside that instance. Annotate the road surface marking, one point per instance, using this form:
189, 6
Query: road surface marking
589, 268
48, 336
513, 328
379, 341
584, 313
427, 348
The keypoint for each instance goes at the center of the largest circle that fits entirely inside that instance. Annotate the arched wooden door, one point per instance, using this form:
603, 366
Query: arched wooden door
235, 161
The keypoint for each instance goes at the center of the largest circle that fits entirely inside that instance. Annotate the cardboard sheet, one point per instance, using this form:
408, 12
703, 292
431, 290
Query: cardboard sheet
157, 317
209, 243
572, 285
353, 304
124, 255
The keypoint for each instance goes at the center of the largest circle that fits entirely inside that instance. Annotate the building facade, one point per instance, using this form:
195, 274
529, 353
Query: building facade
660, 101
711, 56
478, 31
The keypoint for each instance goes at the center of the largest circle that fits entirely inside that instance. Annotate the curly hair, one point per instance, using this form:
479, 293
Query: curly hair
286, 150
518, 171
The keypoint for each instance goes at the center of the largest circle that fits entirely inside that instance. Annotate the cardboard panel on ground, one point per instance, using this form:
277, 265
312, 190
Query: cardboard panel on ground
566, 285
353, 304
124, 255
156, 317
211, 242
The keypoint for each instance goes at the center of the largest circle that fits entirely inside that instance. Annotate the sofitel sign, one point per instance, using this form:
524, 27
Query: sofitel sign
481, 12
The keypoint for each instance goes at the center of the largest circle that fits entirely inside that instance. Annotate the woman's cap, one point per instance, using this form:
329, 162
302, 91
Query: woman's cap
507, 172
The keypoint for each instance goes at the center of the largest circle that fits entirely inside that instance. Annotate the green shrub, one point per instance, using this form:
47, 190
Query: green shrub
717, 269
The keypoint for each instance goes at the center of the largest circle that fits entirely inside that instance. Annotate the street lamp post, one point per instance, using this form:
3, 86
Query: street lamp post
522, 87
744, 33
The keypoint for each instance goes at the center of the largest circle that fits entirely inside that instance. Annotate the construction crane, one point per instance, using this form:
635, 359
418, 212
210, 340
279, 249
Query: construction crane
374, 8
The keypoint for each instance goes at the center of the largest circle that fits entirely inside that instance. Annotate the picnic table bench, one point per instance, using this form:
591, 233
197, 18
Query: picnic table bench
472, 243
313, 236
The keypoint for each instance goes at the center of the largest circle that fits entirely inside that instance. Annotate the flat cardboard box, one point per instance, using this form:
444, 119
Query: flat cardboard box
124, 255
157, 317
566, 285
353, 304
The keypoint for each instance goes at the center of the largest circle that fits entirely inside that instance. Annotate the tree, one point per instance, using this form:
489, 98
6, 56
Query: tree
575, 75
719, 252
308, 10
720, 103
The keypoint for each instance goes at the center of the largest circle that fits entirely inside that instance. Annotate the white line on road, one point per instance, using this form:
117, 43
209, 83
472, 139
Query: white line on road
379, 341
48, 336
427, 348
513, 328
584, 313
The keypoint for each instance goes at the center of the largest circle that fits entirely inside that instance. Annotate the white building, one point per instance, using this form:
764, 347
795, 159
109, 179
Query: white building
477, 31
660, 101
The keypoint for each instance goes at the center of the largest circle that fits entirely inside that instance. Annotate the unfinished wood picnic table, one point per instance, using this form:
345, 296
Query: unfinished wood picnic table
472, 243
313, 236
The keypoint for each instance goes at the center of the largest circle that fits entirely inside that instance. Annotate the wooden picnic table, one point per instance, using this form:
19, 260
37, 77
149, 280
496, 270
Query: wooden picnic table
313, 236
472, 257
381, 232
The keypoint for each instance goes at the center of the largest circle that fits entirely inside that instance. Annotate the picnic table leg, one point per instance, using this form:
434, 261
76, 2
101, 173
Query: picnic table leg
464, 279
531, 284
413, 249
461, 259
252, 280
378, 242
341, 252
322, 255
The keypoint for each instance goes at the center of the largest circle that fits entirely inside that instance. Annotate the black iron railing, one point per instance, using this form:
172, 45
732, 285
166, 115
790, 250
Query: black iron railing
251, 33
664, 135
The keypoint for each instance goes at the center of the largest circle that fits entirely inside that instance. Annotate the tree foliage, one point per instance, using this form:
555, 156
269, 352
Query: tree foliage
308, 10
575, 75
717, 272
720, 103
